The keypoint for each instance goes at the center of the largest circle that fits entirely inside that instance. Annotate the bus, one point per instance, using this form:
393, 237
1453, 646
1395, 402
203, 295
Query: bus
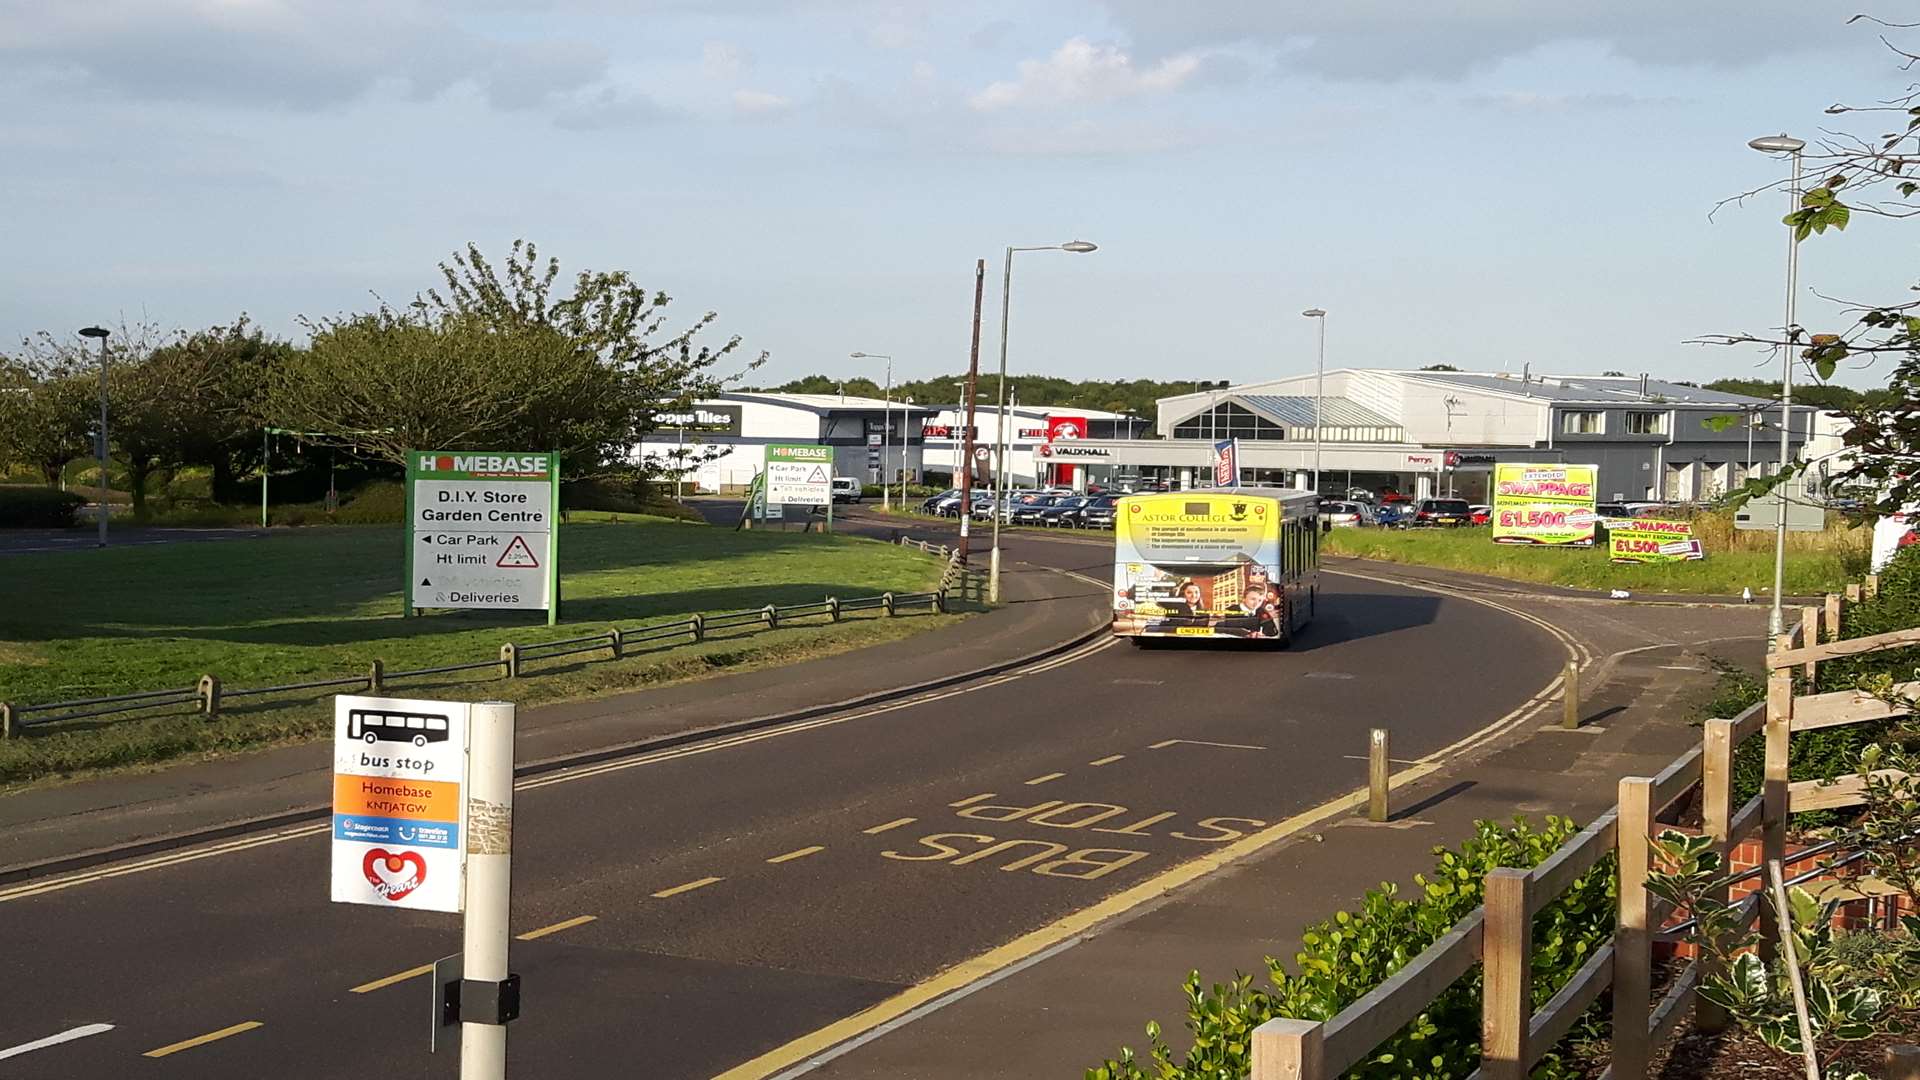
1234, 563
386, 725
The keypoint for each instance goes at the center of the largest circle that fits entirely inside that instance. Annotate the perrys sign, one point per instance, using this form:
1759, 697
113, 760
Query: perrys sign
399, 828
483, 530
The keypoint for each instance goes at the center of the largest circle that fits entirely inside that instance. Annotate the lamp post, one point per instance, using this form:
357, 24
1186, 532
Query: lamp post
101, 333
1784, 144
1078, 247
886, 439
1319, 390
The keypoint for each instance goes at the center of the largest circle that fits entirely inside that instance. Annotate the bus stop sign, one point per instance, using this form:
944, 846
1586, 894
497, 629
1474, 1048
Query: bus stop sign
399, 808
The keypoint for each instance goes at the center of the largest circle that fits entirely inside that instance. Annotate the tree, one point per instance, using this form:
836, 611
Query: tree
1439, 367
49, 406
495, 361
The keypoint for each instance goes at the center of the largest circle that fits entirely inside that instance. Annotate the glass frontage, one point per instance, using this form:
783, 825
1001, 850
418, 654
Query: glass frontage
1228, 421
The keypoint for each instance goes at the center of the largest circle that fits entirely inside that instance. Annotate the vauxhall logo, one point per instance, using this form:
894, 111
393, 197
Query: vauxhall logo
484, 463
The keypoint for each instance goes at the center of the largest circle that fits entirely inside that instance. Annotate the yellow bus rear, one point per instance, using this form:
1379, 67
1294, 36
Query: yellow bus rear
1233, 564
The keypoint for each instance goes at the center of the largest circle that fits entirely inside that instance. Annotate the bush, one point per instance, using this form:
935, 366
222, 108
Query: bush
1348, 955
380, 503
38, 508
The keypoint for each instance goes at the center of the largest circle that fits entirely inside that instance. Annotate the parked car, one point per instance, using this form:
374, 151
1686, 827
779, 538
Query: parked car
846, 489
1029, 511
1391, 515
1345, 513
1429, 513
1098, 513
928, 504
1065, 513
1479, 514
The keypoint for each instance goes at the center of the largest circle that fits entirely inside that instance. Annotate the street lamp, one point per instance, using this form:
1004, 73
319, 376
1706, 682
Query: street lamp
886, 440
1078, 247
1784, 144
101, 332
1319, 390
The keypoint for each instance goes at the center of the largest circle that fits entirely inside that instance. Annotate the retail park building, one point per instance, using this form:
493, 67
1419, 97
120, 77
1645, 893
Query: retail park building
1416, 432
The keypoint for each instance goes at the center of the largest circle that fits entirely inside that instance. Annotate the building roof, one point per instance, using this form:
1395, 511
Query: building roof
1299, 411
1038, 411
819, 403
1605, 389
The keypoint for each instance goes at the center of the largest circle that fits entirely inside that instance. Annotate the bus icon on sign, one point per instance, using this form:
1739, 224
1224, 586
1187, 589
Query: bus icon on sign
374, 725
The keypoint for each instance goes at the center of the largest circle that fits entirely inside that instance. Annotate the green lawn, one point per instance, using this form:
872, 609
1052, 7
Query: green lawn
1721, 572
310, 604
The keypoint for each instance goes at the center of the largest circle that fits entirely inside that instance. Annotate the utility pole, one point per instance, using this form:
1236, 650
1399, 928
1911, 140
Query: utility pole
973, 379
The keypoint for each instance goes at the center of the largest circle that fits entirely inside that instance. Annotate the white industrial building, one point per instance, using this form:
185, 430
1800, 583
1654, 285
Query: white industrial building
722, 439
1033, 434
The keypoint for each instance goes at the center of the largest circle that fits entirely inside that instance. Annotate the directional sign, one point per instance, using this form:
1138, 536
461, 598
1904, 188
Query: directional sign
483, 531
399, 829
799, 474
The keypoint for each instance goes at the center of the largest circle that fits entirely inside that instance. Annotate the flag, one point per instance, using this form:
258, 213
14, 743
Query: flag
1226, 463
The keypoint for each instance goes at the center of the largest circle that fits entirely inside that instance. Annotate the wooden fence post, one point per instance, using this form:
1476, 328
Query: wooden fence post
886, 601
833, 607
376, 677
1632, 943
1834, 613
772, 617
510, 659
1773, 813
1289, 1050
1810, 636
1872, 586
1853, 594
1716, 820
1570, 698
1379, 774
697, 626
617, 642
209, 691
1506, 1007
6, 720
1903, 1062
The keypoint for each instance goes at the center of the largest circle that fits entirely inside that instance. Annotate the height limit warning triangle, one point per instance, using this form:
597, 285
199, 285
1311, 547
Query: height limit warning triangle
819, 476
518, 556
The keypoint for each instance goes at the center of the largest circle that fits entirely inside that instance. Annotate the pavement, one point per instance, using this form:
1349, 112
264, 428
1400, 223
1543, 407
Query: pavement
737, 906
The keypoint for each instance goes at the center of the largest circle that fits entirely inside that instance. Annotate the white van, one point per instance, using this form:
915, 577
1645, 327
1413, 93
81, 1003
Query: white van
846, 489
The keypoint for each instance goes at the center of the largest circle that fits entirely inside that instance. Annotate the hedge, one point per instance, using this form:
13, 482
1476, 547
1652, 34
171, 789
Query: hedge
38, 508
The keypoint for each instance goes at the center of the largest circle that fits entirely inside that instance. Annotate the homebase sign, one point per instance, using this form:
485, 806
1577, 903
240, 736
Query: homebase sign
799, 474
483, 530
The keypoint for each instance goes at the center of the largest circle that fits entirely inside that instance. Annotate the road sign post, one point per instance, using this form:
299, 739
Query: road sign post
483, 531
489, 996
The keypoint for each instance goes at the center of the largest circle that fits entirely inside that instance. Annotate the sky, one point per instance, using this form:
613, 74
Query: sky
1486, 183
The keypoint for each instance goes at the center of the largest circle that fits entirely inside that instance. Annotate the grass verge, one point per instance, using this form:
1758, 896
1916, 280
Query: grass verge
319, 603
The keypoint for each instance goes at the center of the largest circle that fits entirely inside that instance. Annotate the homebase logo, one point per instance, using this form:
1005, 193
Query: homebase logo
521, 464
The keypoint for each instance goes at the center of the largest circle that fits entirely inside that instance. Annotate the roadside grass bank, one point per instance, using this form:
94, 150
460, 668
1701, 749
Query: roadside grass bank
319, 603
1816, 562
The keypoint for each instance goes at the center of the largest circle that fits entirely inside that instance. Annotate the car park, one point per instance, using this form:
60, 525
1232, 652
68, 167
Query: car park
1345, 513
1064, 513
1098, 513
1029, 512
1436, 513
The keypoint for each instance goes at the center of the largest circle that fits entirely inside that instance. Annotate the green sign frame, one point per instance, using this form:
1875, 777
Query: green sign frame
504, 467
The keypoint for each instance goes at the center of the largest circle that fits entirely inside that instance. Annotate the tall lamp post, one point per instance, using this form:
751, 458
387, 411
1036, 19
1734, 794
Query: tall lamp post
101, 333
1078, 247
1319, 390
886, 439
1784, 144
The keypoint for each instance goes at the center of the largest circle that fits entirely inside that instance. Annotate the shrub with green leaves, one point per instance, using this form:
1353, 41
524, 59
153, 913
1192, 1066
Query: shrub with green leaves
38, 508
1344, 957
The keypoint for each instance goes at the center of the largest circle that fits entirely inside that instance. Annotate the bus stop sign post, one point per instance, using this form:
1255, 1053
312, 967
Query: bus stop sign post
489, 996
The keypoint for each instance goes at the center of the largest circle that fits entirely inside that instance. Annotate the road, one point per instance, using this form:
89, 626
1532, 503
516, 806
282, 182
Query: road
689, 910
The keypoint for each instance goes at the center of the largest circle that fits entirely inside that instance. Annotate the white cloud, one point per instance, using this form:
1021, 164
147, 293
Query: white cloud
1081, 71
758, 101
722, 60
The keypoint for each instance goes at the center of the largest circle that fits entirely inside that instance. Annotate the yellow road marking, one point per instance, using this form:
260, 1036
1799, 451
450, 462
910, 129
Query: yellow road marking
688, 887
1164, 743
971, 799
381, 984
1108, 760
202, 1040
800, 854
894, 824
1044, 779
564, 924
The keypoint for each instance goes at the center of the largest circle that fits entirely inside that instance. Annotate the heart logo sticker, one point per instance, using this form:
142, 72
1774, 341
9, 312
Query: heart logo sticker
393, 874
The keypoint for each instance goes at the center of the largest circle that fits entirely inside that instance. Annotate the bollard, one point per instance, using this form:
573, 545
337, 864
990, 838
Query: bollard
376, 677
772, 617
617, 643
886, 602
833, 608
6, 720
1570, 695
1379, 771
209, 692
698, 626
510, 659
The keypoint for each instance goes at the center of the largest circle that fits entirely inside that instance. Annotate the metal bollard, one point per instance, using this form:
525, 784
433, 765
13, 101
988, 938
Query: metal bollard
376, 677
1379, 773
617, 642
510, 659
209, 692
1570, 698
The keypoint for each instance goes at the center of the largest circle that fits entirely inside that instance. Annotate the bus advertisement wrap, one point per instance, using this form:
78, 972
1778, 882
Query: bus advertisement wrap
1647, 540
1543, 504
1192, 564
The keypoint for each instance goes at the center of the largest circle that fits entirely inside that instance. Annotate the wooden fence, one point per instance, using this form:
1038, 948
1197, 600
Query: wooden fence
1498, 935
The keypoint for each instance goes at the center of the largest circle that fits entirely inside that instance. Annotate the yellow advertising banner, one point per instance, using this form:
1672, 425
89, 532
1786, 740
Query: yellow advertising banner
1647, 540
1543, 504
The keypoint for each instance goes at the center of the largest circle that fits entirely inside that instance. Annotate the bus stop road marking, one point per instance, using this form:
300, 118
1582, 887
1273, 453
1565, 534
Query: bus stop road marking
1108, 760
564, 924
800, 854
1164, 743
688, 887
66, 1036
202, 1040
1044, 779
894, 824
397, 977
971, 799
